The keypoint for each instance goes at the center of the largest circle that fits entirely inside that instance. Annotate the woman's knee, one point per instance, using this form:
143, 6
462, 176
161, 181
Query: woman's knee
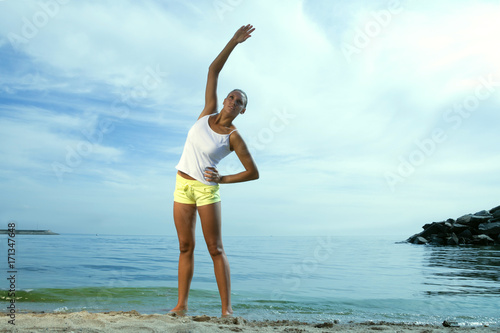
215, 249
186, 247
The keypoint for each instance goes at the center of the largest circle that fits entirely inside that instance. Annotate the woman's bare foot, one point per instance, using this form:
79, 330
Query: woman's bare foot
228, 313
179, 310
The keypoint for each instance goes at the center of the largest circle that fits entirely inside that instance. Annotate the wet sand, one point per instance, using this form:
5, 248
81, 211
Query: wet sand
133, 321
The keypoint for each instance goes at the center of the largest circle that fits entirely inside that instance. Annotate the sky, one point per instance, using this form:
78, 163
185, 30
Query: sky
364, 117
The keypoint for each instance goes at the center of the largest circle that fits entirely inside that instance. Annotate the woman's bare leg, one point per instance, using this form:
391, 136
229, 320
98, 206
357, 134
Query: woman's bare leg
210, 216
185, 223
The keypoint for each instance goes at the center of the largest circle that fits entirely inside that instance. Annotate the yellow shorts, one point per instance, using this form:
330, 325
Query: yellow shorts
194, 192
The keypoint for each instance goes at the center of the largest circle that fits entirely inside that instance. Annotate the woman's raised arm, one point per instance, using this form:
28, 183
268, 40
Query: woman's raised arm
241, 35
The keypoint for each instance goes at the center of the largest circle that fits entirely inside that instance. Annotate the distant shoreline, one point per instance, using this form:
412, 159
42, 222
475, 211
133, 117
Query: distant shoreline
29, 232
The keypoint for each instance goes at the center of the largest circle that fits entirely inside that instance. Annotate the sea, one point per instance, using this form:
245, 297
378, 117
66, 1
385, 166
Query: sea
310, 279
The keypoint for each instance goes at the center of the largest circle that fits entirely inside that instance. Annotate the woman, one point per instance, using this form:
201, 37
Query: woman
210, 139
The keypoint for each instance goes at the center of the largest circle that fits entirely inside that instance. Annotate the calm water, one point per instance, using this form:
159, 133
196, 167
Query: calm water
309, 279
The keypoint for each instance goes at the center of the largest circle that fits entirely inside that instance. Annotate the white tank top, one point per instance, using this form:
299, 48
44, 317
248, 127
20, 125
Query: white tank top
203, 148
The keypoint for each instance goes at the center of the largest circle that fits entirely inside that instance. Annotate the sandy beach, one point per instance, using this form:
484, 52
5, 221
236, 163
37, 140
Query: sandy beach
133, 321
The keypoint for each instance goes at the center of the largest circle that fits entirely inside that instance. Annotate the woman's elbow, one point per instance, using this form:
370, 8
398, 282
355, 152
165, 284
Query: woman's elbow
214, 69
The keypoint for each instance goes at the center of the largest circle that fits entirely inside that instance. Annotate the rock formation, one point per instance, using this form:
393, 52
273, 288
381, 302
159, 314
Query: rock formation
481, 228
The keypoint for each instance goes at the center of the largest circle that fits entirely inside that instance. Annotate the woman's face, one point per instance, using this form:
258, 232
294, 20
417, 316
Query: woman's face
234, 103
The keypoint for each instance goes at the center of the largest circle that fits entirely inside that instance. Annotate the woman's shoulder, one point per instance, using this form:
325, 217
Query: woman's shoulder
233, 129
207, 113
206, 116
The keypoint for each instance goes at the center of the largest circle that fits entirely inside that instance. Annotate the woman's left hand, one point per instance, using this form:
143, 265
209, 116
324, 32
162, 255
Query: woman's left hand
212, 175
243, 33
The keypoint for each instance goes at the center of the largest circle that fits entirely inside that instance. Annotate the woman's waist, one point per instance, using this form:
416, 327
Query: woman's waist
187, 179
185, 175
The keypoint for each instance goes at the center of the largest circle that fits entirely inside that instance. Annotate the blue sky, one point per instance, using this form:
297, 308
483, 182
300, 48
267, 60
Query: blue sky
363, 117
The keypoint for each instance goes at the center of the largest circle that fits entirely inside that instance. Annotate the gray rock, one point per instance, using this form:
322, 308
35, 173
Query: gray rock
465, 234
489, 228
412, 238
482, 236
496, 214
458, 228
436, 240
482, 213
453, 240
476, 220
447, 323
420, 240
496, 209
465, 219
427, 225
482, 240
434, 228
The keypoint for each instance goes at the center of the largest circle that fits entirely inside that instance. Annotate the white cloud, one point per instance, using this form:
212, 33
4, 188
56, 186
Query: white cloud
34, 139
323, 129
